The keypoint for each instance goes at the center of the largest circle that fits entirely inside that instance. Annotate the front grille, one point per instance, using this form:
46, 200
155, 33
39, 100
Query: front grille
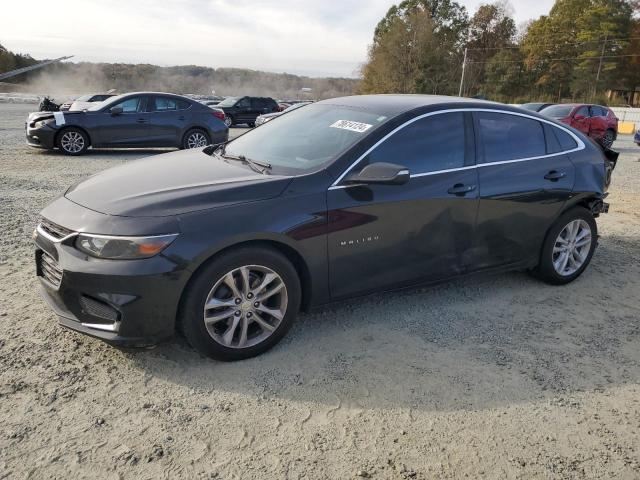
53, 229
50, 269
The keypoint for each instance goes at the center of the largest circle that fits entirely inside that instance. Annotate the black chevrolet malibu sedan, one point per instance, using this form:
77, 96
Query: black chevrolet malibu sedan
132, 120
341, 198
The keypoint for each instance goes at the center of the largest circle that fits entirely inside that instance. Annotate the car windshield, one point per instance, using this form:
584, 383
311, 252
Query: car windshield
84, 98
294, 106
307, 138
557, 111
100, 105
229, 102
531, 106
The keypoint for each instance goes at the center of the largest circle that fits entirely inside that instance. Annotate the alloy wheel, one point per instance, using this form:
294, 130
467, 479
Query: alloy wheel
72, 142
228, 121
571, 247
245, 306
607, 140
196, 140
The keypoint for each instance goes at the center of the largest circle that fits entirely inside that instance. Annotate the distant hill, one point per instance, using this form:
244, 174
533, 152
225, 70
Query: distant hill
77, 78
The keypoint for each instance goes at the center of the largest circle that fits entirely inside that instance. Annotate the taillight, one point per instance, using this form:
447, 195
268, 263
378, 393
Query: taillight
219, 114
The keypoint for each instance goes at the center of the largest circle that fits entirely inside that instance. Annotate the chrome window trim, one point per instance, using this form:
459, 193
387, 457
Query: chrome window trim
580, 143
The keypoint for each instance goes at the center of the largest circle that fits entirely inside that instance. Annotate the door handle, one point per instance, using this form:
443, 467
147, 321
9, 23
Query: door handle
181, 117
461, 189
554, 175
142, 120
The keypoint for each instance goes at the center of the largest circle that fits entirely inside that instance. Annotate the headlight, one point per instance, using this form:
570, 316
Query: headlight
123, 248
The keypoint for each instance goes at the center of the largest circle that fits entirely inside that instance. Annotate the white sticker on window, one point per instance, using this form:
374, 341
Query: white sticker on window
350, 125
59, 116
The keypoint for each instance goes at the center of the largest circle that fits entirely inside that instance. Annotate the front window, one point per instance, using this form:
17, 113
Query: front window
131, 105
307, 138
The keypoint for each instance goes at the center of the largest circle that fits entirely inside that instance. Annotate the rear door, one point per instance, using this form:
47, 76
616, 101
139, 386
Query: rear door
524, 183
167, 121
129, 128
389, 235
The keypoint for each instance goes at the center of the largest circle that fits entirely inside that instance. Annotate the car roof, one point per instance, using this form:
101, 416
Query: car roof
394, 104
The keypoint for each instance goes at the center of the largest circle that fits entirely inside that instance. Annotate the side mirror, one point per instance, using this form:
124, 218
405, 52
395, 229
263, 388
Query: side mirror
116, 110
381, 173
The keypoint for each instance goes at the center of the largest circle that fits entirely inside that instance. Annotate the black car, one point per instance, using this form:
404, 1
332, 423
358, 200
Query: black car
143, 119
240, 110
535, 107
343, 197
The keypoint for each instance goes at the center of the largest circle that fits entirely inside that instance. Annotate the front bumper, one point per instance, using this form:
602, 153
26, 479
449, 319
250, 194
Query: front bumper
123, 302
40, 137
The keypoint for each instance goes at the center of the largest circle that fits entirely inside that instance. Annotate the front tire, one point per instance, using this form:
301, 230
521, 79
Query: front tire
72, 141
568, 247
240, 304
228, 121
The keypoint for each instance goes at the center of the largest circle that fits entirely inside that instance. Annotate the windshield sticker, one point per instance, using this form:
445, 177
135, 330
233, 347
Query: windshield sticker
350, 125
59, 116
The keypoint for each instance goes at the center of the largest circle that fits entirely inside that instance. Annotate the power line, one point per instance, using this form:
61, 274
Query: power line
613, 40
561, 59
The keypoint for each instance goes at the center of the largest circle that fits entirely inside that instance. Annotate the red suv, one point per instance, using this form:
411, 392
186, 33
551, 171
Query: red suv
596, 121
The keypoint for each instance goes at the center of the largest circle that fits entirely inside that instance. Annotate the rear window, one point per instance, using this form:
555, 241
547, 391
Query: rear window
565, 140
557, 111
510, 137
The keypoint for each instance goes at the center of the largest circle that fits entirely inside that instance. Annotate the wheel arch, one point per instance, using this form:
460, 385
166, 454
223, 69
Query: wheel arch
67, 127
191, 128
293, 255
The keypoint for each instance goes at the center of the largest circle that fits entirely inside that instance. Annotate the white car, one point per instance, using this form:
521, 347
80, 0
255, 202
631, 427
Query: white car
85, 101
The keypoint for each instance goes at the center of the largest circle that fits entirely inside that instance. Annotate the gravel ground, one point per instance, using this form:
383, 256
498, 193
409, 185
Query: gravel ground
489, 377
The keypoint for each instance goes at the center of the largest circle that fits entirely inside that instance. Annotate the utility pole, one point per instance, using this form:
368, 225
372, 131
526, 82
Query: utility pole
464, 66
595, 87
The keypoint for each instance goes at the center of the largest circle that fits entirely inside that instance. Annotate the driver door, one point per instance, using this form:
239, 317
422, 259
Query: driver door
581, 120
392, 235
129, 128
244, 110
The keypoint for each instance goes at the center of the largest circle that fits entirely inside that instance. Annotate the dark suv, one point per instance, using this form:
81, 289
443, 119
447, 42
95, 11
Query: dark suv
246, 109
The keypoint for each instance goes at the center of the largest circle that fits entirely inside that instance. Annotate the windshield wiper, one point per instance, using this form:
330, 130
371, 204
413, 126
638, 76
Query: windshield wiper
254, 163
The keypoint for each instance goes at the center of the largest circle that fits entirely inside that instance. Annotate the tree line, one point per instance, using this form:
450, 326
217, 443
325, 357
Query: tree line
581, 49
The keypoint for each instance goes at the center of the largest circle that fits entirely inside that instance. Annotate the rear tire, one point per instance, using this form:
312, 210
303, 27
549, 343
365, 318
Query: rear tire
608, 138
195, 138
72, 141
252, 296
568, 247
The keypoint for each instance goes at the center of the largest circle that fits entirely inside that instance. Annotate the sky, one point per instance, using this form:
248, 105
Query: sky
305, 37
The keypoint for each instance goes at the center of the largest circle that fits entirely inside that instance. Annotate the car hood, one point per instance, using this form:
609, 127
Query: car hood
38, 116
172, 184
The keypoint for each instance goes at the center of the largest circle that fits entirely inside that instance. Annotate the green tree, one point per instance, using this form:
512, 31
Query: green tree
491, 29
417, 48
